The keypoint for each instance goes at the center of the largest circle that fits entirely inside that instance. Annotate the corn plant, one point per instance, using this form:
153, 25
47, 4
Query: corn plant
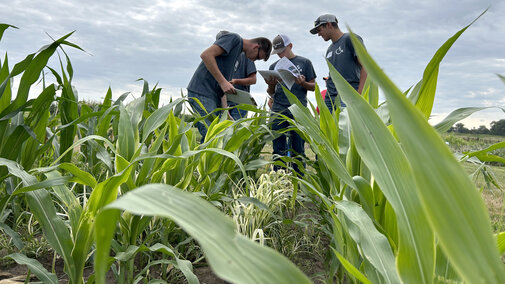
232, 256
412, 193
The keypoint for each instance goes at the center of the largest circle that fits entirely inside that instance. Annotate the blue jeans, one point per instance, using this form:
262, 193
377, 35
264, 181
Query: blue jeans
209, 104
236, 113
289, 143
330, 102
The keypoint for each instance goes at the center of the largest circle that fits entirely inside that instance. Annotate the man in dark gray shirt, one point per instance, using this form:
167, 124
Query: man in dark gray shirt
211, 79
341, 55
244, 75
279, 103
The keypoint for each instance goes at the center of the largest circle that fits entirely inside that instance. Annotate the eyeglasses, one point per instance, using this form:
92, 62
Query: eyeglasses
258, 56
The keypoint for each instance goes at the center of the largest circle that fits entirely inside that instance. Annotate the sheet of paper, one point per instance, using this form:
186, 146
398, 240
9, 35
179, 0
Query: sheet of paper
285, 64
282, 75
242, 97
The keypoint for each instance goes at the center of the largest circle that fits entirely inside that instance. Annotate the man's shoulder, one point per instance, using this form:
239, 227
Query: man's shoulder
301, 58
347, 37
230, 38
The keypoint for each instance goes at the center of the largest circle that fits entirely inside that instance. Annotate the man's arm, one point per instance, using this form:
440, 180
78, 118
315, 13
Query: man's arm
362, 78
271, 82
309, 86
249, 80
209, 59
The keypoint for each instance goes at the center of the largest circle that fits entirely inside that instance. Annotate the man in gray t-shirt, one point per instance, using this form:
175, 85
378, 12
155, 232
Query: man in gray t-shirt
341, 55
282, 146
211, 80
244, 75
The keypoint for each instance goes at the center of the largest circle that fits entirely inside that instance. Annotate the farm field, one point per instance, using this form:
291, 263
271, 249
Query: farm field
123, 191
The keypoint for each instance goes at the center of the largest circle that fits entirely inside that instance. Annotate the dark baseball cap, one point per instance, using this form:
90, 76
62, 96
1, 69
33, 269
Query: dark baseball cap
321, 20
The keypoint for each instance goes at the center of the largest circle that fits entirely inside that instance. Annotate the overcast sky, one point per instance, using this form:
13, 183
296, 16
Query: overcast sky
161, 41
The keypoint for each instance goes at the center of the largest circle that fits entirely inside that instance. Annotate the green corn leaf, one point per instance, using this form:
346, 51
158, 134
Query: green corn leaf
444, 272
32, 72
429, 81
54, 229
502, 78
81, 176
491, 148
451, 202
16, 238
37, 120
126, 135
489, 158
69, 200
157, 118
322, 144
500, 239
85, 139
136, 112
457, 115
16, 170
231, 256
18, 69
35, 267
365, 194
16, 140
42, 184
3, 27
6, 95
184, 265
351, 269
68, 113
383, 156
374, 245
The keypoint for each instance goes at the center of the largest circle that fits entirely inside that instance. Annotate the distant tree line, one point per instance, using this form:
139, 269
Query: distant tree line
497, 128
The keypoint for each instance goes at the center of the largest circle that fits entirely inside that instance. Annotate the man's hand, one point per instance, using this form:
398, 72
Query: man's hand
227, 87
300, 80
271, 80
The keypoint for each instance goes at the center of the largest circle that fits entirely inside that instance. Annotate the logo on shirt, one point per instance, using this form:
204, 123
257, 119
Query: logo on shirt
236, 66
339, 50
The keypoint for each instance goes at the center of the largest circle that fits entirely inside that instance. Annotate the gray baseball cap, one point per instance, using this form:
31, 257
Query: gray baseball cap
321, 20
280, 43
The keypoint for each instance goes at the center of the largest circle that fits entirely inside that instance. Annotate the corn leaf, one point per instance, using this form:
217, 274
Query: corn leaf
386, 161
451, 202
35, 267
231, 256
16, 238
6, 95
351, 269
429, 81
374, 245
502, 78
3, 27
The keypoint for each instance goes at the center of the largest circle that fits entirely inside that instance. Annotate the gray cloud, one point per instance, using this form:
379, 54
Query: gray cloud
161, 41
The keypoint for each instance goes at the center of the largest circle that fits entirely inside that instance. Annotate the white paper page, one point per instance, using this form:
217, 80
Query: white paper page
270, 73
286, 64
242, 97
287, 78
